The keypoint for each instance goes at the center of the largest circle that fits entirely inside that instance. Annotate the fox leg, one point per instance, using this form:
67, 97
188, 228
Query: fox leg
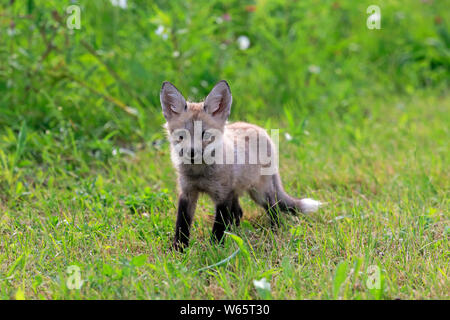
272, 210
186, 209
267, 199
236, 211
223, 219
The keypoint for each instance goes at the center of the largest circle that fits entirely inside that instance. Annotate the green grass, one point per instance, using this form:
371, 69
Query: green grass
386, 192
85, 173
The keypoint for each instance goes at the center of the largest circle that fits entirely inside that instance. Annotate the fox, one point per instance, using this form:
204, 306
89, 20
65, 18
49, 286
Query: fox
205, 151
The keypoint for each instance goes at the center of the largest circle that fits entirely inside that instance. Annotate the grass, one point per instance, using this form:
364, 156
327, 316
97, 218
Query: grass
386, 192
85, 173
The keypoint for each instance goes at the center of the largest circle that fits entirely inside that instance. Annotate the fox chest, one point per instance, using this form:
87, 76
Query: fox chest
216, 187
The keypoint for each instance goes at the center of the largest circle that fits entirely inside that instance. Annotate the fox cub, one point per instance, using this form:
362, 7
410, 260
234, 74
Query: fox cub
223, 160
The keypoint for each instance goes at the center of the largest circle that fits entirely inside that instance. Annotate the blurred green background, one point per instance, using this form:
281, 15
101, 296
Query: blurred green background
101, 83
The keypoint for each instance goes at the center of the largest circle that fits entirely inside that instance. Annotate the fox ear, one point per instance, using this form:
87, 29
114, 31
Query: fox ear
172, 101
218, 101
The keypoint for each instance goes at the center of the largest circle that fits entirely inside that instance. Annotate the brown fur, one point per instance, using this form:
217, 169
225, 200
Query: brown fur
224, 183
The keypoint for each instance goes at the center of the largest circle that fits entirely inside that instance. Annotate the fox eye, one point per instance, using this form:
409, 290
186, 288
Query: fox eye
178, 136
206, 135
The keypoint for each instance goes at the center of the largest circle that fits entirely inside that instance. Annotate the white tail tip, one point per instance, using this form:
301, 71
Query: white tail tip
310, 205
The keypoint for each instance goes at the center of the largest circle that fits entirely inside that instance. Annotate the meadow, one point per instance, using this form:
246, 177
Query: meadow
88, 194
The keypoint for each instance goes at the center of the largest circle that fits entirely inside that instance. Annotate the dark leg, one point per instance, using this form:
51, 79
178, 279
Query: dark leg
223, 219
186, 209
236, 211
272, 208
269, 203
272, 212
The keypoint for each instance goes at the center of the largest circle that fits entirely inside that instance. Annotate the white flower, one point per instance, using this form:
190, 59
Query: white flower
204, 83
262, 284
314, 69
287, 136
120, 3
128, 152
11, 32
176, 54
161, 31
243, 42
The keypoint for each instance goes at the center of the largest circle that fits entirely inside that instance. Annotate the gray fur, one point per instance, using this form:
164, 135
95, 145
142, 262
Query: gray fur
224, 183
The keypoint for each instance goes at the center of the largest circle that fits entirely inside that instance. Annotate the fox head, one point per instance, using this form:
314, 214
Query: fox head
195, 129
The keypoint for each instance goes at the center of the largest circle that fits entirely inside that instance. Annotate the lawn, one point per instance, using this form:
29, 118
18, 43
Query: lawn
88, 194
